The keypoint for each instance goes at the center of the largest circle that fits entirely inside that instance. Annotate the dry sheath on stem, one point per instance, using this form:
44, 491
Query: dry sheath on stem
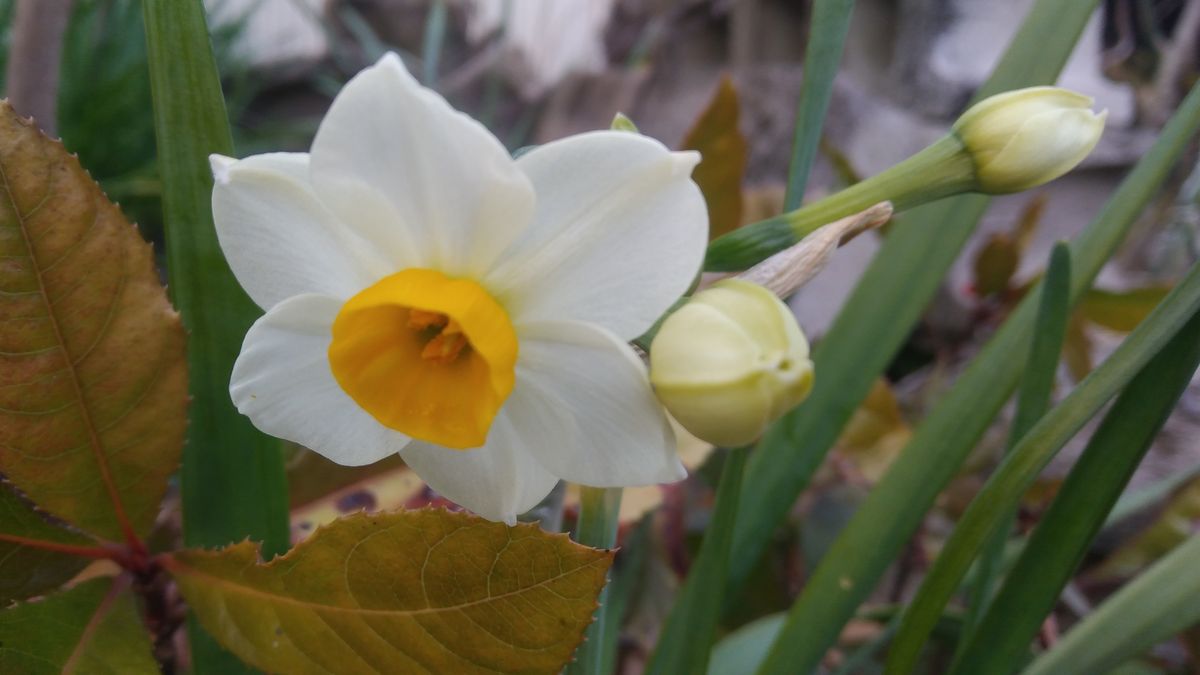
785, 272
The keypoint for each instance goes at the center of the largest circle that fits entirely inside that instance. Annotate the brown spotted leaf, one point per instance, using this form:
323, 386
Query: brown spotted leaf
995, 265
1173, 525
91, 628
876, 432
724, 153
311, 477
93, 388
1000, 257
1121, 311
386, 490
407, 592
1077, 348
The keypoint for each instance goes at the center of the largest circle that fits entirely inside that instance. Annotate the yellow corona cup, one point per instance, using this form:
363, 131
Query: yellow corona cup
1021, 139
730, 362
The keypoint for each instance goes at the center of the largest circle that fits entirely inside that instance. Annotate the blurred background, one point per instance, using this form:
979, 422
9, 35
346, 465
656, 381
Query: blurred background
721, 76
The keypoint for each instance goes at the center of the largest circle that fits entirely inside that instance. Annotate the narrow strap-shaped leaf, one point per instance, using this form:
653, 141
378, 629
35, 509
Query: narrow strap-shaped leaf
895, 508
828, 25
1162, 601
879, 315
687, 638
1006, 486
599, 519
93, 387
1049, 330
1033, 399
91, 628
432, 42
233, 479
413, 591
1060, 541
35, 555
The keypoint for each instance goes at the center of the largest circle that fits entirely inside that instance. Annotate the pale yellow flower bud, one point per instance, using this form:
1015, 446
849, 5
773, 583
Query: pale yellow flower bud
730, 362
1021, 139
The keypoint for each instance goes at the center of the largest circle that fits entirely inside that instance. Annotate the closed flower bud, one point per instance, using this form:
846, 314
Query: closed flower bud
730, 362
1023, 138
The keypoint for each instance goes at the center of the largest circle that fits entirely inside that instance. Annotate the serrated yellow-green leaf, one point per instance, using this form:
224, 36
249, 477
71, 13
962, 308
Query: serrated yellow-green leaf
28, 565
91, 628
93, 389
413, 591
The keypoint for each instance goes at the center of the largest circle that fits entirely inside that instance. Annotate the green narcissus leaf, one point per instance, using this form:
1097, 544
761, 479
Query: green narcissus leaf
91, 628
724, 153
33, 557
93, 386
412, 591
1158, 603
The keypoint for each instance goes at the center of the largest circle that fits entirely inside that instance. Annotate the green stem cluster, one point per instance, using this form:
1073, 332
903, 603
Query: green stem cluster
940, 170
599, 511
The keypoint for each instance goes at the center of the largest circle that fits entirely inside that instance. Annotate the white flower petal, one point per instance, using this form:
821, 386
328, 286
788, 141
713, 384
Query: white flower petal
584, 407
498, 481
429, 185
619, 233
279, 239
282, 382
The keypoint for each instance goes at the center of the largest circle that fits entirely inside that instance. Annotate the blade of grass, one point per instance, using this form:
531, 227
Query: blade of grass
882, 310
894, 509
1018, 471
829, 22
1033, 399
599, 517
432, 41
687, 638
1160, 602
233, 482
1061, 540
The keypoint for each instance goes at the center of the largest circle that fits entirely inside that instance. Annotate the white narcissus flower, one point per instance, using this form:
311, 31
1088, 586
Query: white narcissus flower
428, 295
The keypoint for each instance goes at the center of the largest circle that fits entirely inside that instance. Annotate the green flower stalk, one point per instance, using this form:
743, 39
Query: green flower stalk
1006, 143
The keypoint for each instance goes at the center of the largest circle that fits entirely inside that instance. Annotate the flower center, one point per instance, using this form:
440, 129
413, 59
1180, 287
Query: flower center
427, 355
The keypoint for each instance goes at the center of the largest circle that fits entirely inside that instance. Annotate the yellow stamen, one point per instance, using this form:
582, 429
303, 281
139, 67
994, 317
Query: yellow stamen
426, 355
445, 347
421, 319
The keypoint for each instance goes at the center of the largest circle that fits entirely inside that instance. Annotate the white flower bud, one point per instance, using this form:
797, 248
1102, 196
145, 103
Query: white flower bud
730, 362
1021, 139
